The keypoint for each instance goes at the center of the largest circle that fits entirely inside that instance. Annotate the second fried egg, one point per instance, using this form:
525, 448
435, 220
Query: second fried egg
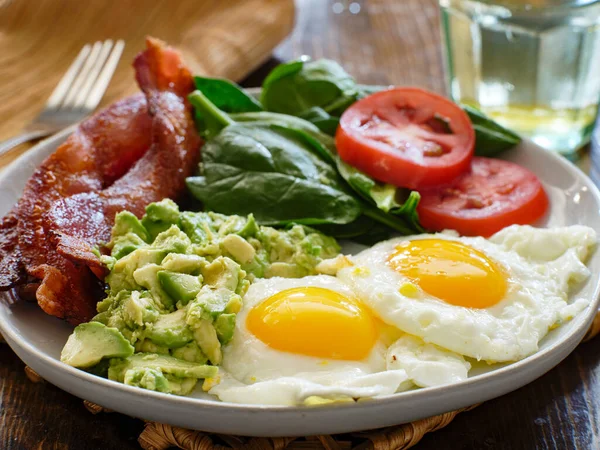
491, 300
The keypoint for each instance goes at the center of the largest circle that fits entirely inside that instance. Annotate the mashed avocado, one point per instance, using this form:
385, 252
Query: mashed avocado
175, 285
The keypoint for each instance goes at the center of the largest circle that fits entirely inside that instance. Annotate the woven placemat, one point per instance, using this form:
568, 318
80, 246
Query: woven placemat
157, 436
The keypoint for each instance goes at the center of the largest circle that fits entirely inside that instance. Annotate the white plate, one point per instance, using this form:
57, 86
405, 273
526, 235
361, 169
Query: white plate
38, 339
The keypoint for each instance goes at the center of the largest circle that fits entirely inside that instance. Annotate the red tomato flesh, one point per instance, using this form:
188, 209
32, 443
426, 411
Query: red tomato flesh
407, 137
491, 196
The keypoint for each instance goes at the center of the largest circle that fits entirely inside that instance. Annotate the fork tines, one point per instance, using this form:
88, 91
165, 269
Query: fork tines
84, 84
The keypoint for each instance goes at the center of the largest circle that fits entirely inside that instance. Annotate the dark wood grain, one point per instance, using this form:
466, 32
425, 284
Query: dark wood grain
395, 42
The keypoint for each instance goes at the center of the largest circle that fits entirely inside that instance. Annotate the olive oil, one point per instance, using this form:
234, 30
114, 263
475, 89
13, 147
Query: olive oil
533, 66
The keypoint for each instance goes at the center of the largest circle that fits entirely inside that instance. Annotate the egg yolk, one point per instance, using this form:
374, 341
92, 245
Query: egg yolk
314, 321
451, 271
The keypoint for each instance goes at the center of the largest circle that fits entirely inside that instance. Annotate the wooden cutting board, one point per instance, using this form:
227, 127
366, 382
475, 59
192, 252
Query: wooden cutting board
39, 40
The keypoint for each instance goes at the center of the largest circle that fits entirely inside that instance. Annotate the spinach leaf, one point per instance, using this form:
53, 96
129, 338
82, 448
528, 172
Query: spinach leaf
226, 95
210, 120
320, 142
297, 86
270, 171
490, 137
388, 198
284, 70
318, 116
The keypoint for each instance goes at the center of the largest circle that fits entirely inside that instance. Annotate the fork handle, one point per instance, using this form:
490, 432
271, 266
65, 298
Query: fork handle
9, 144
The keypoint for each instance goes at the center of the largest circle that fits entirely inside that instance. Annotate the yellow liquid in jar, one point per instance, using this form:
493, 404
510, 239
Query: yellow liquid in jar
535, 71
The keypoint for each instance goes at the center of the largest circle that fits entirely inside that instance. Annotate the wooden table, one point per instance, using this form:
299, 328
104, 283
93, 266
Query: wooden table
380, 42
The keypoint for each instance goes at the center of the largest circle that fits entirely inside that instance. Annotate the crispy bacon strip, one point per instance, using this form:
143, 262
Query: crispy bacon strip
79, 222
98, 152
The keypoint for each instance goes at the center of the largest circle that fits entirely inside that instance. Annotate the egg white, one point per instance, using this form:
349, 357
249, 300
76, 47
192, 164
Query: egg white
542, 264
426, 364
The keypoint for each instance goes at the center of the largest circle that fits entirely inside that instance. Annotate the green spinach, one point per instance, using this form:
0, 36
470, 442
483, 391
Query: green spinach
226, 95
490, 137
324, 121
268, 169
295, 87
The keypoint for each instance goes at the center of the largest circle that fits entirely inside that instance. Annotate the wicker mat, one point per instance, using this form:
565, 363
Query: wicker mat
157, 436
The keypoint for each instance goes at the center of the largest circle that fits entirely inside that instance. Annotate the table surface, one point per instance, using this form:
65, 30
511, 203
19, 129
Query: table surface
379, 42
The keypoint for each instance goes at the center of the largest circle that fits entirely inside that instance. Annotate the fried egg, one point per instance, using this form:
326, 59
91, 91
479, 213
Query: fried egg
491, 300
426, 364
311, 340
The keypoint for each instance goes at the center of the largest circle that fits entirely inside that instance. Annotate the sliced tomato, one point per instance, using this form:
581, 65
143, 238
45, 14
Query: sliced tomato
491, 196
407, 137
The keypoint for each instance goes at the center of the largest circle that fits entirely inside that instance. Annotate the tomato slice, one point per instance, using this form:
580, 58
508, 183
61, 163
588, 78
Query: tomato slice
407, 137
491, 196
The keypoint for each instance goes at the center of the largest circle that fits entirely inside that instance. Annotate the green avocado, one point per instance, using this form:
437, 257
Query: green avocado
197, 227
190, 352
170, 330
121, 276
126, 222
128, 235
178, 262
147, 277
160, 217
250, 228
93, 341
151, 379
208, 341
172, 240
124, 245
166, 364
179, 286
225, 325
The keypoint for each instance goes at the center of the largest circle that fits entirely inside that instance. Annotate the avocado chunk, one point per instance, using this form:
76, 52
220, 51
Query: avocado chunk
126, 222
208, 341
93, 341
170, 330
166, 364
172, 240
197, 227
190, 352
147, 346
179, 262
147, 277
121, 276
124, 245
224, 272
160, 216
224, 326
250, 228
151, 379
179, 286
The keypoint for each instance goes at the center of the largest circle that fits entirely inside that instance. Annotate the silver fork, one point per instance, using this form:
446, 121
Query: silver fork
76, 95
